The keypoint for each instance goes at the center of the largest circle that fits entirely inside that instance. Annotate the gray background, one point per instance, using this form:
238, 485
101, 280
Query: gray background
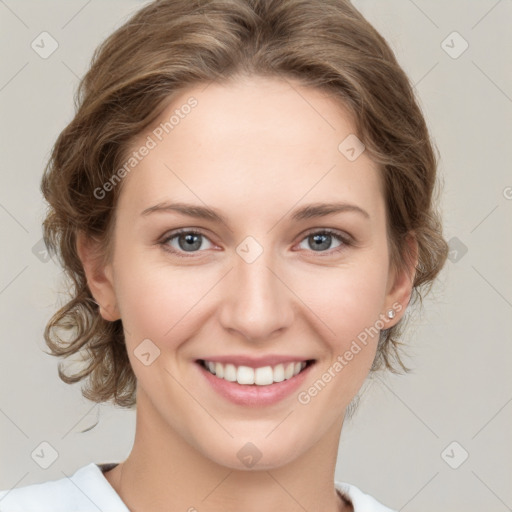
398, 447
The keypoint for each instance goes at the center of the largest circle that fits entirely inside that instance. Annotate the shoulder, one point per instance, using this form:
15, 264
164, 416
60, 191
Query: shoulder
86, 490
361, 502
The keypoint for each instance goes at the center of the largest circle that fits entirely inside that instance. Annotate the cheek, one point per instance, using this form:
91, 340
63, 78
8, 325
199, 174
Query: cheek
348, 306
348, 299
157, 301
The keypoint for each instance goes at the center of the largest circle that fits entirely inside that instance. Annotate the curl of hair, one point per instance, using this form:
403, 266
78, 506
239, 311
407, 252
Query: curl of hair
170, 45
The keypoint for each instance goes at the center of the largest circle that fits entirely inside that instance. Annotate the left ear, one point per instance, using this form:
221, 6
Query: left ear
400, 282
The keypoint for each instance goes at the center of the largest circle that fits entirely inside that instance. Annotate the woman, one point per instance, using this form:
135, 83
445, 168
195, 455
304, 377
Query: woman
244, 202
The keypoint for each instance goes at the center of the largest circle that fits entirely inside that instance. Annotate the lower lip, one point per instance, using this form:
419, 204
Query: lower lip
254, 395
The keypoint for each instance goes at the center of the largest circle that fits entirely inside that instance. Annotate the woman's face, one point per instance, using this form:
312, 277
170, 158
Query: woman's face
266, 286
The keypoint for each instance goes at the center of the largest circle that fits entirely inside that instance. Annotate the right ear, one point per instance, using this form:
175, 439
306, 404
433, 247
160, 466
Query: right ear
99, 277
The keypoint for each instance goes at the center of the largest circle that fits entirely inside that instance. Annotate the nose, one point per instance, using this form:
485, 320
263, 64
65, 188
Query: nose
257, 304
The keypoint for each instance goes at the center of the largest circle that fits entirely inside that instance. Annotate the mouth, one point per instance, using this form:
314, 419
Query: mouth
255, 376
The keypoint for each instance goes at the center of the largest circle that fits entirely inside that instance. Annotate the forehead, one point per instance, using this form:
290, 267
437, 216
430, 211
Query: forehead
251, 142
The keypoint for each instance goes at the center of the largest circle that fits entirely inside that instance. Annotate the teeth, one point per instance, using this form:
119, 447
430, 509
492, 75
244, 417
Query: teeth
263, 376
278, 373
230, 372
288, 372
244, 375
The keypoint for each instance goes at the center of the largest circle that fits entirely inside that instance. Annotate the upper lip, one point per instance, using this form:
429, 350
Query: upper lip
255, 362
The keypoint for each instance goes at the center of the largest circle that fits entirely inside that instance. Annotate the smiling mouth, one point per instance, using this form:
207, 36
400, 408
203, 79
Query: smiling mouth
262, 376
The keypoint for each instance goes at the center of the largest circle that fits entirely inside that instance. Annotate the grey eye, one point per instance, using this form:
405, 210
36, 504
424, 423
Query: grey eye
187, 241
321, 241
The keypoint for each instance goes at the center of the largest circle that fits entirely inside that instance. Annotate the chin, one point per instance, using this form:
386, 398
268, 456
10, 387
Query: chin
254, 455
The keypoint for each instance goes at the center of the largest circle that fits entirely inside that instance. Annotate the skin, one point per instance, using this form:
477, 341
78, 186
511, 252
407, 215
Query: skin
255, 149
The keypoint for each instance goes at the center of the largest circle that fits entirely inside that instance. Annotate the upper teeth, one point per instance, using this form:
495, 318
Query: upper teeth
260, 376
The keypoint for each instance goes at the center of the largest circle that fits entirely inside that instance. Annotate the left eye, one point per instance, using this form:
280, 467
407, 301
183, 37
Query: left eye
320, 241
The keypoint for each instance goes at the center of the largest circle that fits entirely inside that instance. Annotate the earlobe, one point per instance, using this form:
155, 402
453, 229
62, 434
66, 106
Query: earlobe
403, 282
99, 277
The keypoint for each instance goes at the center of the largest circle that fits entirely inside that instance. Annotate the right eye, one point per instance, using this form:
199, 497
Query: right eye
183, 241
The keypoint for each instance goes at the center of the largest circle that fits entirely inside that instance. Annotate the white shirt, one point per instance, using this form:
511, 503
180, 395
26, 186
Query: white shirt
87, 490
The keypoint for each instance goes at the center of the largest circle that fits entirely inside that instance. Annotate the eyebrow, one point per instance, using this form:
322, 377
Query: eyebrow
309, 211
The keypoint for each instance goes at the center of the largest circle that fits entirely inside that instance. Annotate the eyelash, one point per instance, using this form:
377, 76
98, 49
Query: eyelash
345, 240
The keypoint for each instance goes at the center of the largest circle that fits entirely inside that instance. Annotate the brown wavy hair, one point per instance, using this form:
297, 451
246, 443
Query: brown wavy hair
170, 45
